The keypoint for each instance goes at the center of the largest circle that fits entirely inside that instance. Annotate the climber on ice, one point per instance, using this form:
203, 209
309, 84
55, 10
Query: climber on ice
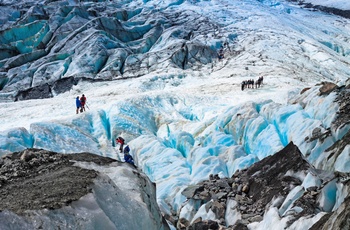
127, 157
121, 142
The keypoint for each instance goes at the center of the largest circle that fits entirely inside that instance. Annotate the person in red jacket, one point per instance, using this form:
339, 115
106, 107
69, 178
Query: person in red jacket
82, 102
121, 142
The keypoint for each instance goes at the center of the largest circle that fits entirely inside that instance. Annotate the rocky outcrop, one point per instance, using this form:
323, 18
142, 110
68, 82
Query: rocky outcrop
42, 189
327, 88
28, 179
332, 10
343, 99
248, 194
339, 219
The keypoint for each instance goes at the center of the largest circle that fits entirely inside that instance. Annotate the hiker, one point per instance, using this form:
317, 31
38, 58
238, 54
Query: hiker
259, 82
221, 53
127, 157
83, 101
227, 45
245, 84
78, 104
120, 141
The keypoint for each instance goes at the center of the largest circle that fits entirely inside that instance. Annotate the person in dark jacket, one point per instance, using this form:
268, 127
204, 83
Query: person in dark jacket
127, 157
78, 104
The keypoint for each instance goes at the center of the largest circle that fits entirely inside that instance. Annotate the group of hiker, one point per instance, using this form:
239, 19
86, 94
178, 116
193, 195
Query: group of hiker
251, 83
126, 150
80, 103
246, 83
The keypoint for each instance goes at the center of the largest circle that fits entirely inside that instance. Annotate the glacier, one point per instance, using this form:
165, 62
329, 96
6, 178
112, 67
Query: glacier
151, 75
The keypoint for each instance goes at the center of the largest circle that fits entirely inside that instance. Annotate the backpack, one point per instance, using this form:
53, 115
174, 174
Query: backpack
126, 149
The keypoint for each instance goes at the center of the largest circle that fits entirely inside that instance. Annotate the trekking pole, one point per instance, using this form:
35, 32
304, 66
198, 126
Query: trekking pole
87, 106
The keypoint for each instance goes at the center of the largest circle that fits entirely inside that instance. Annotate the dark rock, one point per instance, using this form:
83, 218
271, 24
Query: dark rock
38, 92
288, 159
182, 223
321, 222
313, 188
262, 183
205, 225
222, 184
220, 195
218, 209
339, 219
235, 187
191, 190
240, 226
291, 180
304, 90
204, 195
327, 88
216, 177
27, 155
257, 218
231, 194
230, 181
250, 201
88, 157
240, 199
64, 85
30, 188
249, 215
222, 222
338, 147
171, 218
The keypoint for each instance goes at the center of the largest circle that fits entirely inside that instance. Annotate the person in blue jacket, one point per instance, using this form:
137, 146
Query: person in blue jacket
78, 104
127, 157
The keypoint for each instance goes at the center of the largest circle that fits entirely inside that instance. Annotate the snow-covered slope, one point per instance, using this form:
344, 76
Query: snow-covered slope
48, 49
